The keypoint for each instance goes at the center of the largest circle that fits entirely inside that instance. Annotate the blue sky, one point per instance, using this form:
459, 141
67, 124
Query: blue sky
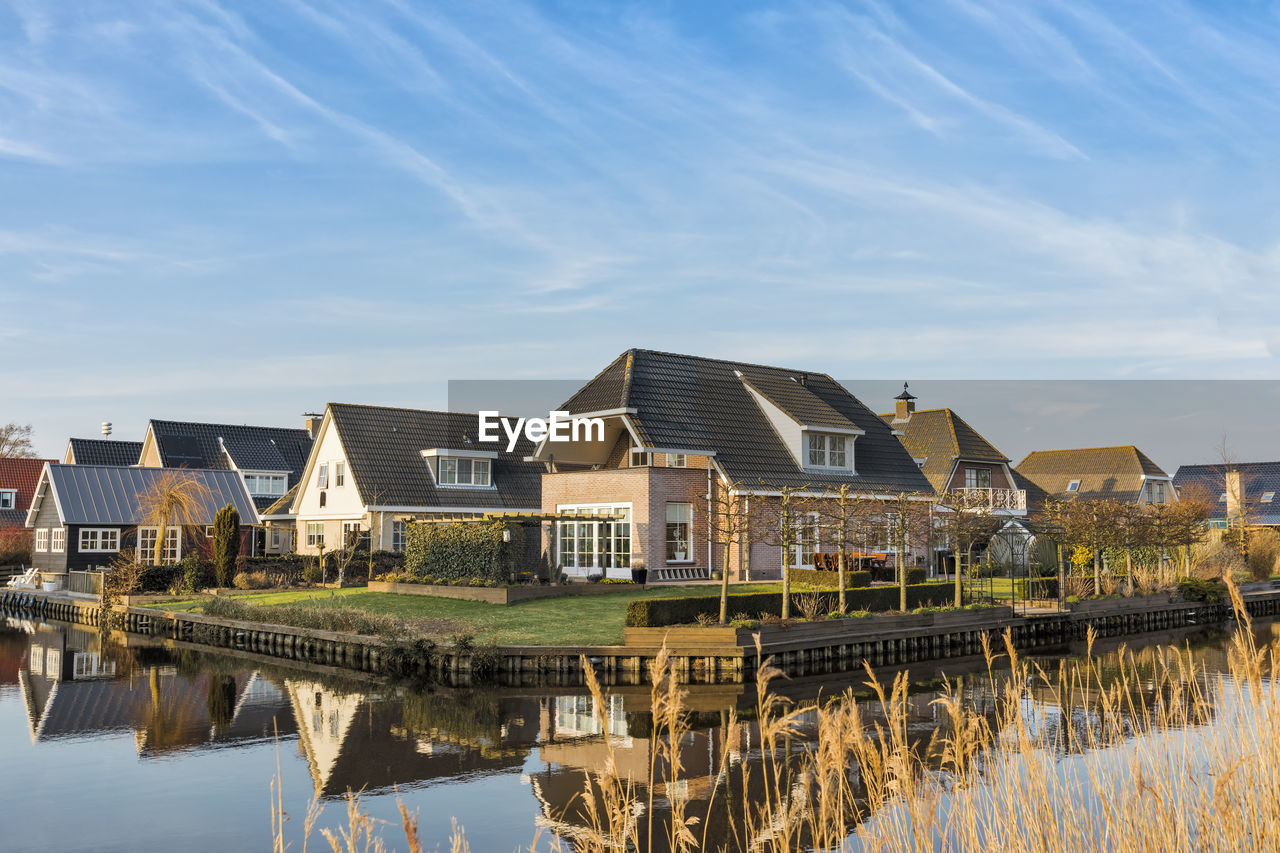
241, 211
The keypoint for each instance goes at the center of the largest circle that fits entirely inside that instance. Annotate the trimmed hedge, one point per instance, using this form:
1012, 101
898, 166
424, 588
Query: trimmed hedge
830, 580
917, 576
660, 612
463, 551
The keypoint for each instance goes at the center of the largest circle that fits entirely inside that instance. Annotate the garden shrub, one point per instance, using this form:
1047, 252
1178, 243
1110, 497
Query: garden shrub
463, 551
917, 576
195, 574
830, 580
15, 545
660, 612
1198, 589
251, 580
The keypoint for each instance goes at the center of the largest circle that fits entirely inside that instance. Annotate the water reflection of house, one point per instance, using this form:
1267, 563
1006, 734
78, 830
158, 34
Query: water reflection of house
370, 741
73, 687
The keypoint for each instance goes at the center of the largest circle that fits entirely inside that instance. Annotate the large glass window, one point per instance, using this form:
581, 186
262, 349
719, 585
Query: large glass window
603, 544
827, 450
265, 485
679, 524
315, 534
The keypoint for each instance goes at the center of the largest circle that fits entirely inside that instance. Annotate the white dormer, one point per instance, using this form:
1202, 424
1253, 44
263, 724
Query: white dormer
821, 449
468, 469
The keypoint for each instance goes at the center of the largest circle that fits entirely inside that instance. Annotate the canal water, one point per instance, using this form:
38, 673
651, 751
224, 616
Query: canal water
123, 745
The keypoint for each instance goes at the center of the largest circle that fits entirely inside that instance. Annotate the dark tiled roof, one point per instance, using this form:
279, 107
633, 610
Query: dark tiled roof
103, 451
185, 444
940, 437
1103, 472
103, 494
692, 403
12, 516
384, 454
23, 475
277, 506
1208, 483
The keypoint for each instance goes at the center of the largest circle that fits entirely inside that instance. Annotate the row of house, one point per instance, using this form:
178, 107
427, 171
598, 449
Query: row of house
673, 432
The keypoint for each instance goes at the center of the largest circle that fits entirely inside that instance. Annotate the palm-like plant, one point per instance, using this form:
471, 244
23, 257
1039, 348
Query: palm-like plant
176, 498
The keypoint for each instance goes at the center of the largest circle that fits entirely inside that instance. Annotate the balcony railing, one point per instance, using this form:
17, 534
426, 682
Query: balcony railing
1014, 500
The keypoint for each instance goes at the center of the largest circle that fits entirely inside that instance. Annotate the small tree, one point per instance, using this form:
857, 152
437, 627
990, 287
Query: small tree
845, 514
15, 441
226, 544
176, 498
781, 524
909, 518
724, 513
966, 520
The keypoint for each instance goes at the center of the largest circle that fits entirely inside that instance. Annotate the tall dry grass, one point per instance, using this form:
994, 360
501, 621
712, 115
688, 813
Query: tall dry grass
1147, 752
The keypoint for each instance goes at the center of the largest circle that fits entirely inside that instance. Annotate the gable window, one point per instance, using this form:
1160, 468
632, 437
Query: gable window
322, 476
640, 459
397, 536
1073, 486
171, 552
679, 526
1268, 497
676, 460
827, 450
42, 539
464, 472
58, 540
339, 474
8, 498
315, 534
1155, 491
977, 478
99, 539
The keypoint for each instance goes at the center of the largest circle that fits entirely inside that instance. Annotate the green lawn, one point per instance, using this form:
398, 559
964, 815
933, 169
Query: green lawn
572, 620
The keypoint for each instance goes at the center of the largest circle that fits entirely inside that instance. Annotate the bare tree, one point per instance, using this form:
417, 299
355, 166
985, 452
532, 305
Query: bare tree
909, 519
845, 514
781, 523
724, 512
15, 442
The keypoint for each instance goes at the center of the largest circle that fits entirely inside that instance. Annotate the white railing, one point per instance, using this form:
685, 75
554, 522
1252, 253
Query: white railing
1003, 499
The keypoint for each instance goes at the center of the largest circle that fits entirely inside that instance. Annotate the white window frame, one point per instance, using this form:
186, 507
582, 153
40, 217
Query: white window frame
479, 472
810, 521
98, 536
971, 482
1268, 497
666, 534
265, 484
820, 445
322, 476
351, 527
42, 540
170, 554
677, 460
606, 536
275, 537
398, 530
8, 498
315, 534
339, 474
1073, 486
58, 540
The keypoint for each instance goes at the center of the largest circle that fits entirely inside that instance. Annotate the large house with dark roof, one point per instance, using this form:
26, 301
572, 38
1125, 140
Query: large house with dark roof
954, 456
374, 467
84, 515
1118, 473
1244, 491
18, 478
675, 426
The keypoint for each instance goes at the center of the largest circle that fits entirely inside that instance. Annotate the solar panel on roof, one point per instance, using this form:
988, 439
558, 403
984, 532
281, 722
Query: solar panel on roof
183, 450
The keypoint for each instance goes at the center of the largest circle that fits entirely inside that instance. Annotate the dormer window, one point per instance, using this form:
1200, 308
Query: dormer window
464, 472
264, 485
1268, 497
8, 498
827, 450
1073, 486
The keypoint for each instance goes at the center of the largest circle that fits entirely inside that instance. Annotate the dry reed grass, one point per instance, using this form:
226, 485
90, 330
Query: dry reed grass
1148, 753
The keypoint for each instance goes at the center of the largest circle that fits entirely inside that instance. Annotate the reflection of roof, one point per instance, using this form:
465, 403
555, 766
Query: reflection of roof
940, 436
104, 451
21, 475
183, 444
1103, 472
705, 404
101, 494
384, 453
1208, 483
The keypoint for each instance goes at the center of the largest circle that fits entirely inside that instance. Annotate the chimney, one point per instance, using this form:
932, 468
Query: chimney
1235, 496
906, 405
311, 423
